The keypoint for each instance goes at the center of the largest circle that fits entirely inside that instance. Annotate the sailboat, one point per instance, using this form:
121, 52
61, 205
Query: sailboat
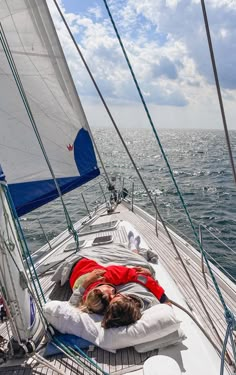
46, 151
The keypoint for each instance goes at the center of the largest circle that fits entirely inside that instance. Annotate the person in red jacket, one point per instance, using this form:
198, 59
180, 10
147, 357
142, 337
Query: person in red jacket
94, 289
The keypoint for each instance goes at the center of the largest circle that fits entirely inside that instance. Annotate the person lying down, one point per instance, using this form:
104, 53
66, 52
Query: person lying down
119, 293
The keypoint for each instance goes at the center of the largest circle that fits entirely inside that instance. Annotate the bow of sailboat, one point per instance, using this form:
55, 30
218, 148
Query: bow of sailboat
177, 286
47, 151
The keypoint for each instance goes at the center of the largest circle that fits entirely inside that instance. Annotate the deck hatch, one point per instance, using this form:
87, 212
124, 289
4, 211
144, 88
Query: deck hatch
72, 246
103, 240
94, 228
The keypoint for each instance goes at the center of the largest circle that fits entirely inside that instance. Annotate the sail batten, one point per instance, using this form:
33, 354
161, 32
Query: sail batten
55, 106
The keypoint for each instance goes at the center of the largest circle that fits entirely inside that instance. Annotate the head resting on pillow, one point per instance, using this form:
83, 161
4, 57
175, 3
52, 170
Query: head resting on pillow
122, 311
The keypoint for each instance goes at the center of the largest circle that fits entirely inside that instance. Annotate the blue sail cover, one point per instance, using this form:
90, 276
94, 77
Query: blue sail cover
55, 105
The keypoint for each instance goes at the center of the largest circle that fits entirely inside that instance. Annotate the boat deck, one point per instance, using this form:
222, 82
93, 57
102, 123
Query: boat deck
128, 360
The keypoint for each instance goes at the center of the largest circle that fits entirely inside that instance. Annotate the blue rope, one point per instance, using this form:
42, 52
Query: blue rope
70, 351
164, 155
231, 320
90, 359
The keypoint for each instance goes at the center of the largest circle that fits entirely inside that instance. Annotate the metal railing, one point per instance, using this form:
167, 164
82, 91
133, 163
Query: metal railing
90, 209
201, 228
103, 196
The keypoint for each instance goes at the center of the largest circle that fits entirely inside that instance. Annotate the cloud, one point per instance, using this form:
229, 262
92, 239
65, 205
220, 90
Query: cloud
96, 11
183, 20
167, 47
100, 47
165, 67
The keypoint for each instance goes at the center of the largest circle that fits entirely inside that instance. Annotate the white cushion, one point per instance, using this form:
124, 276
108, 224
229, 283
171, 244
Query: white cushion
162, 342
156, 322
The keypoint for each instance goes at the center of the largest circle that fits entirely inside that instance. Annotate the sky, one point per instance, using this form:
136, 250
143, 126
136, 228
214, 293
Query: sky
166, 43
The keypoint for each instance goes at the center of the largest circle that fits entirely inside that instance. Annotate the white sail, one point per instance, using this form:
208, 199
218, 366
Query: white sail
55, 106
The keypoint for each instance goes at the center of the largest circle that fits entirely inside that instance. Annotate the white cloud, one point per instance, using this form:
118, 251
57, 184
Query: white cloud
167, 47
223, 3
96, 11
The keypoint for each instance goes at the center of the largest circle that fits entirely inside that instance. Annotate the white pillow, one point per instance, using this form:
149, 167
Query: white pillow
156, 322
171, 339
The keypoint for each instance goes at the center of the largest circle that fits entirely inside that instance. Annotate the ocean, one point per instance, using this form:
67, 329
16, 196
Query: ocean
201, 167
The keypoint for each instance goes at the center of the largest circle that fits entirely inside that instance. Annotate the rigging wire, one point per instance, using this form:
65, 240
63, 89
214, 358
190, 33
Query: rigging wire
180, 212
39, 305
37, 301
113, 121
90, 132
72, 37
28, 55
70, 354
142, 181
24, 248
36, 297
38, 358
228, 313
5, 246
229, 316
218, 88
197, 323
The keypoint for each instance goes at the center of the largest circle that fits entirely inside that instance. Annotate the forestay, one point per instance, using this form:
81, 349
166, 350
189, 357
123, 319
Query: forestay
56, 109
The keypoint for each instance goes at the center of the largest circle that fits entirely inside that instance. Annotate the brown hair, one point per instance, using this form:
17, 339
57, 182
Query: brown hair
96, 302
122, 313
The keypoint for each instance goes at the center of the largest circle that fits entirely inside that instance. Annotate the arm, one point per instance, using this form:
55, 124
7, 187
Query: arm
143, 271
77, 296
151, 284
165, 299
90, 278
120, 274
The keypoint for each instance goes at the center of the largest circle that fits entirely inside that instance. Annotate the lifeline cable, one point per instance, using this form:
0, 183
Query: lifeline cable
229, 316
140, 176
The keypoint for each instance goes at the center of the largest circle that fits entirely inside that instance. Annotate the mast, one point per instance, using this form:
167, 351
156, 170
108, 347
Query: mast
26, 325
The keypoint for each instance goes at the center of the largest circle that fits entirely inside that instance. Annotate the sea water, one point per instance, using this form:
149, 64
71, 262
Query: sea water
199, 163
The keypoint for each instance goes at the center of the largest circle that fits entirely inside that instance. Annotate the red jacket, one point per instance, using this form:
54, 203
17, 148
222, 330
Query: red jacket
115, 275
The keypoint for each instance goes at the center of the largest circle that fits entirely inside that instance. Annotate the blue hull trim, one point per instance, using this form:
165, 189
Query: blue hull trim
28, 196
